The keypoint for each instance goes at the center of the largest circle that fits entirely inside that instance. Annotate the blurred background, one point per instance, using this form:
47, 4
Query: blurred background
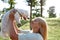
48, 9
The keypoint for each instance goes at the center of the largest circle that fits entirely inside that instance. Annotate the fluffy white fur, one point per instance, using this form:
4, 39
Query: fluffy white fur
23, 12
17, 17
6, 23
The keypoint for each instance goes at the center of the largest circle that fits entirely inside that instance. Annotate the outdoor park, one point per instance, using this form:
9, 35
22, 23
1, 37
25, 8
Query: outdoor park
52, 20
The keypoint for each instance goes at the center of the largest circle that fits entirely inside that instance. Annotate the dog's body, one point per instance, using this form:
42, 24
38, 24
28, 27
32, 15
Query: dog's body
5, 24
6, 20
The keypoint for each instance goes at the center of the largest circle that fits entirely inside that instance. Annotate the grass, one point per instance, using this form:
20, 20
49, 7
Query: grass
53, 28
25, 25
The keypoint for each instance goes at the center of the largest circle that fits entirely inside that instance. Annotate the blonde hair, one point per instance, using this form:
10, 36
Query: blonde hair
43, 27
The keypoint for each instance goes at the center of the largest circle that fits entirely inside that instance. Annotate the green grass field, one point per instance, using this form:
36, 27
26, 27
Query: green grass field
53, 28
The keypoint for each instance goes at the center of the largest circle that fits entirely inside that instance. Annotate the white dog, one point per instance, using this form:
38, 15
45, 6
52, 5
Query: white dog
5, 20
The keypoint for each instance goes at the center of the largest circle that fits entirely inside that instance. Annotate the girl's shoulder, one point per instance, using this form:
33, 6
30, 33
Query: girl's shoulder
30, 36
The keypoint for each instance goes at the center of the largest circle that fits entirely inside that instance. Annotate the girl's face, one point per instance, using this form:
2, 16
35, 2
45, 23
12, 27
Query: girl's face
35, 26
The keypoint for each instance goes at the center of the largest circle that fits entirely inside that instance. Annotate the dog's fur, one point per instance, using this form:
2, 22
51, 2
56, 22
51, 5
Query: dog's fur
6, 20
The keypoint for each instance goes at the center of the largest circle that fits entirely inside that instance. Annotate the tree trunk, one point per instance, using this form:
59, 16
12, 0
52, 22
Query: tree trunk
11, 6
41, 7
30, 14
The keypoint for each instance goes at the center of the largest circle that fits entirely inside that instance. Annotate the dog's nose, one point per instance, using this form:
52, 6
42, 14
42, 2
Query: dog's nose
19, 25
28, 18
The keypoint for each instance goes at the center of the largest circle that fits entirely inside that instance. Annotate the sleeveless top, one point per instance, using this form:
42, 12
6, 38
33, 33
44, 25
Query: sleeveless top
29, 36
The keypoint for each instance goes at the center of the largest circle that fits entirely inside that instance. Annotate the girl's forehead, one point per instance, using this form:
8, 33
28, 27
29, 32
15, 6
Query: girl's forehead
35, 21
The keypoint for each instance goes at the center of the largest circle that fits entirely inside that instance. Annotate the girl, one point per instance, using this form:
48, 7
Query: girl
39, 26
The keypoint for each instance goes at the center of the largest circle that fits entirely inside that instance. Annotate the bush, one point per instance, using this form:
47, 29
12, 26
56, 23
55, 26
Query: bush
51, 15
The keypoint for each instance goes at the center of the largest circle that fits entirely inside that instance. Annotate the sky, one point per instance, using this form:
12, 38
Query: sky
21, 4
3, 5
55, 3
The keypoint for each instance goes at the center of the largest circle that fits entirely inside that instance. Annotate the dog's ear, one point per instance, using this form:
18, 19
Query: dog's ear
11, 17
14, 10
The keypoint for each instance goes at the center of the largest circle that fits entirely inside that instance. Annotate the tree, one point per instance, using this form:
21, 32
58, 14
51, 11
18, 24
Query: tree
51, 12
31, 3
42, 3
36, 12
11, 3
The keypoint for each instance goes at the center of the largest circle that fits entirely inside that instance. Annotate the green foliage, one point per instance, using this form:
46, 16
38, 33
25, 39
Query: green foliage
51, 15
23, 22
36, 15
37, 12
51, 12
12, 3
32, 2
42, 2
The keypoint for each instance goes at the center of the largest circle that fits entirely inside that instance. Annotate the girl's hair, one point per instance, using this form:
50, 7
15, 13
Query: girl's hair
43, 27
